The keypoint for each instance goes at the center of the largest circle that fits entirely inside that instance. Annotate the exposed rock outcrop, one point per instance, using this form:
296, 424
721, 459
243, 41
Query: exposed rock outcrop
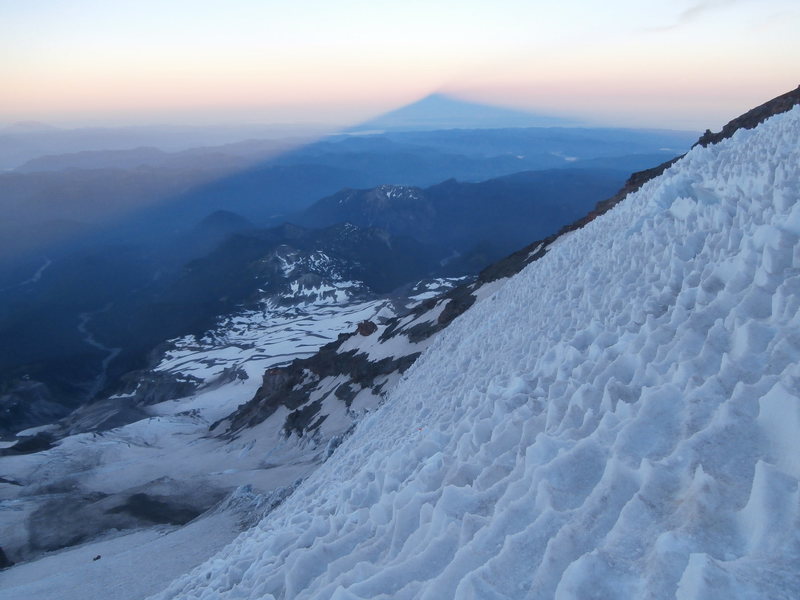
5, 562
366, 328
753, 117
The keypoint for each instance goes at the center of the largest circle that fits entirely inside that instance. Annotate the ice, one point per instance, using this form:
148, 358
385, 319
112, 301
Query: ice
619, 420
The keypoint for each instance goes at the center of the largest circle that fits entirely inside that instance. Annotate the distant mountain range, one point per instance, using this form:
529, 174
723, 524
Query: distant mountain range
25, 141
473, 222
148, 193
234, 155
29, 140
27, 127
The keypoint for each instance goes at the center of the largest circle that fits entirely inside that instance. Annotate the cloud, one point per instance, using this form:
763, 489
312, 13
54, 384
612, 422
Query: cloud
694, 12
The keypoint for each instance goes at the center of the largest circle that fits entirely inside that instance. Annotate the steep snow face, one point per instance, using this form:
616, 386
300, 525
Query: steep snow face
620, 420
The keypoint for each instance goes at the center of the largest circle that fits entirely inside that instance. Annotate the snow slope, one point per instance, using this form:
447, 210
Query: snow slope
620, 420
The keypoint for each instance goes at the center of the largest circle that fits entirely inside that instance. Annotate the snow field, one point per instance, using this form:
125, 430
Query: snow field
620, 420
256, 340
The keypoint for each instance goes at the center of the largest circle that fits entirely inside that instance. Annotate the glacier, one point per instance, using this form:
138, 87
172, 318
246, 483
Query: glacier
618, 420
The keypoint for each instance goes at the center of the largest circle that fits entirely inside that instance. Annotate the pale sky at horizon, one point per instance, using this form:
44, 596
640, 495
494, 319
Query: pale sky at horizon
654, 63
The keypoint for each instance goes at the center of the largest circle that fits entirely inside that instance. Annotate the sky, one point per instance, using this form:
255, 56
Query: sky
686, 64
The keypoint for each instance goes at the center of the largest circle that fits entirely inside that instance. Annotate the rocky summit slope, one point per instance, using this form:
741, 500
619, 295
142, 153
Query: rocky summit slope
619, 419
